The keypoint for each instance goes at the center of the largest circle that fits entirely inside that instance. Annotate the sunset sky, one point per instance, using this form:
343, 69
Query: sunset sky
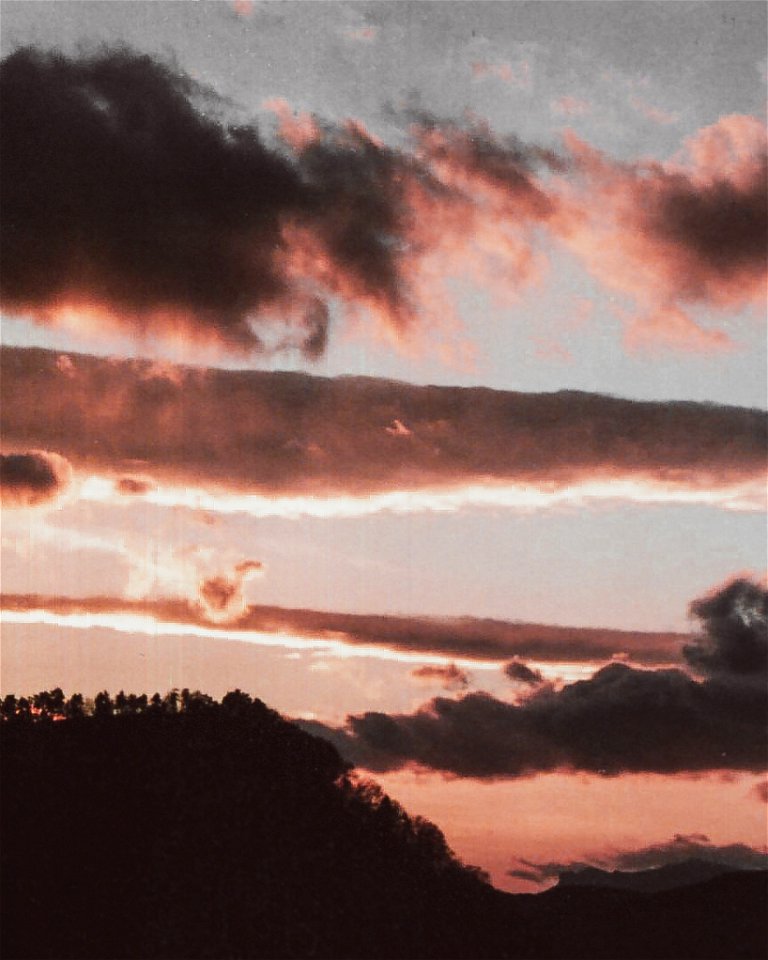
404, 364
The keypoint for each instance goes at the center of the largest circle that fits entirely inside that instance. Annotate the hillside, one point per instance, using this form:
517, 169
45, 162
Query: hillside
182, 828
201, 830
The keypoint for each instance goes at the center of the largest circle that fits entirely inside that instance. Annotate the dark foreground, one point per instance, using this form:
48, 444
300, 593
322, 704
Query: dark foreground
195, 830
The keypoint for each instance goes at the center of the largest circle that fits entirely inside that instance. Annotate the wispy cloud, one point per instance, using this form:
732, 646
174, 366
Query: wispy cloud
443, 643
655, 114
450, 677
571, 106
518, 74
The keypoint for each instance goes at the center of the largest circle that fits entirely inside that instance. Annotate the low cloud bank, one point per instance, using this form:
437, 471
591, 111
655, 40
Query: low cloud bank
622, 719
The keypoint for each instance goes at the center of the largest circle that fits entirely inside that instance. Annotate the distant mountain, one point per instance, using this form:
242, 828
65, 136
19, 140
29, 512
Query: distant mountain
668, 877
725, 918
181, 828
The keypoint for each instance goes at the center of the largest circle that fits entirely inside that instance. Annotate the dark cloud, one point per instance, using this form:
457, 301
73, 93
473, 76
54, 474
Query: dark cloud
734, 637
721, 222
289, 433
316, 323
124, 193
451, 677
681, 848
221, 596
359, 217
131, 199
760, 790
620, 720
33, 478
465, 637
217, 593
134, 486
520, 672
158, 214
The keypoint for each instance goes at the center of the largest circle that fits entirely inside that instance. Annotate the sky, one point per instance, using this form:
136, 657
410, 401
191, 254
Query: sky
404, 364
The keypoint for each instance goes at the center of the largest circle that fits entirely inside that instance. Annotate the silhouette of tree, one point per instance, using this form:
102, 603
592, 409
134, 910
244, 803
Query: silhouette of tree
40, 702
23, 709
198, 702
74, 708
56, 702
102, 705
236, 703
137, 704
8, 707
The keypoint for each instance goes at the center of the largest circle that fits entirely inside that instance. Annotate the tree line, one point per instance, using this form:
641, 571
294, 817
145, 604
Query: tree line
54, 705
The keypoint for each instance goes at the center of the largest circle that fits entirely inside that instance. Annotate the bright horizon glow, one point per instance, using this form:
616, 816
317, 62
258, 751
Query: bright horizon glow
748, 496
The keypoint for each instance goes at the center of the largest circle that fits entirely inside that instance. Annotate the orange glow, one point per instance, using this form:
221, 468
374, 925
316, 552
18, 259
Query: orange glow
103, 323
564, 817
748, 495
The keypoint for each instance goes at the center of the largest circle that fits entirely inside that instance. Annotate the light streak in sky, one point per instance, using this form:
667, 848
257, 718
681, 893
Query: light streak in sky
745, 496
145, 625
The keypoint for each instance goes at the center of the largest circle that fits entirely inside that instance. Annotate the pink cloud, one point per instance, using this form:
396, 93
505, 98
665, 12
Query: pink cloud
552, 350
655, 114
366, 34
518, 75
335, 215
671, 327
298, 130
674, 235
243, 8
64, 363
571, 106
398, 429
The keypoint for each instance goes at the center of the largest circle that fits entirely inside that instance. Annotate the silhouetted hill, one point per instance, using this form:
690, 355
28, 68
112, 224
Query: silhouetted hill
725, 918
668, 877
177, 827
217, 831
